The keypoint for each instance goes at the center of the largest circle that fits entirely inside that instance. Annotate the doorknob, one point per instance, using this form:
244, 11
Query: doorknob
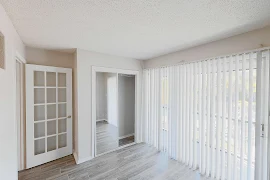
262, 133
69, 117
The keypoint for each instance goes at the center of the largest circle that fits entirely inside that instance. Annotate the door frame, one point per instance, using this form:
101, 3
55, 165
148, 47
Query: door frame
96, 69
20, 123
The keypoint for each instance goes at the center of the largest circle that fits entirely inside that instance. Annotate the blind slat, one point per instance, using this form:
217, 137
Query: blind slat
223, 120
203, 114
208, 120
265, 113
250, 116
187, 114
267, 129
229, 119
191, 116
243, 118
200, 112
154, 107
236, 131
169, 91
184, 117
162, 111
181, 113
177, 80
258, 167
218, 140
213, 122
195, 116
167, 110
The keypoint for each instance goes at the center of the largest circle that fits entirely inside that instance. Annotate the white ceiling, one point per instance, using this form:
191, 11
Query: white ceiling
139, 29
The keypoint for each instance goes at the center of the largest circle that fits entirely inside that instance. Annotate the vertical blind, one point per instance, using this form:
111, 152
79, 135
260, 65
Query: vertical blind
211, 115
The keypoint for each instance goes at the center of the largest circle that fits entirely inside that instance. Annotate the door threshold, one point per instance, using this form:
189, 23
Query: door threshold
121, 147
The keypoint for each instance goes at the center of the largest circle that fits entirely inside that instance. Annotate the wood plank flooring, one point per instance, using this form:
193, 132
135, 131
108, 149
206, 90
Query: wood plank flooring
137, 162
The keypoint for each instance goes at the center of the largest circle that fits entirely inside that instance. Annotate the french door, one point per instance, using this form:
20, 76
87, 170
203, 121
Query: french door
48, 114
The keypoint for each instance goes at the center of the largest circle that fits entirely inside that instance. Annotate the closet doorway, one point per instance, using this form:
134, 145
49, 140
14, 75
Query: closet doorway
113, 109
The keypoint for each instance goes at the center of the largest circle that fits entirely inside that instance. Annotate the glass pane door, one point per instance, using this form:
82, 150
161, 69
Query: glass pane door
51, 101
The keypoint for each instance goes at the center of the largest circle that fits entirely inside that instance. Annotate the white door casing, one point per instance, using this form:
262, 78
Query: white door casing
19, 114
20, 110
48, 114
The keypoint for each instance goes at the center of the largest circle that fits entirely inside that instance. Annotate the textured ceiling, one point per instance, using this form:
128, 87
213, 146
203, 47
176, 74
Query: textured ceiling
139, 29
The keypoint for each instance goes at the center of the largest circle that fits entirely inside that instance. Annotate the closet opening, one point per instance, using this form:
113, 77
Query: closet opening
114, 109
126, 108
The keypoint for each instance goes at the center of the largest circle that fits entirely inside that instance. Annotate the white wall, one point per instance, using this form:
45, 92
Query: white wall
243, 42
126, 102
112, 98
101, 85
8, 130
84, 62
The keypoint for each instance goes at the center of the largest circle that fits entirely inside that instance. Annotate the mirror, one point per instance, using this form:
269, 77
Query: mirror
115, 111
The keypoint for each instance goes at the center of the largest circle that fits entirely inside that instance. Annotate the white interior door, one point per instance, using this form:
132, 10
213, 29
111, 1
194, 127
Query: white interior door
48, 114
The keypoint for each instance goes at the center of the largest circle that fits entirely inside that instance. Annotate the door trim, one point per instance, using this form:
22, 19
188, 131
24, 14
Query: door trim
96, 69
20, 124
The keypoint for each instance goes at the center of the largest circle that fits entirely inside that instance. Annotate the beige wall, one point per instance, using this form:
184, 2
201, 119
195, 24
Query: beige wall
49, 57
2, 52
14, 47
243, 42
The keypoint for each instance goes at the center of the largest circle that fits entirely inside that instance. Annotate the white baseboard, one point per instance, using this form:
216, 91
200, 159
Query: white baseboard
81, 160
101, 120
122, 137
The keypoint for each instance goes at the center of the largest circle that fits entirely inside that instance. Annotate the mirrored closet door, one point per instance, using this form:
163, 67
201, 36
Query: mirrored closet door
106, 112
115, 111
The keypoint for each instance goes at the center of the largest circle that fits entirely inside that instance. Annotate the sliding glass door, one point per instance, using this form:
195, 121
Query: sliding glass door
212, 115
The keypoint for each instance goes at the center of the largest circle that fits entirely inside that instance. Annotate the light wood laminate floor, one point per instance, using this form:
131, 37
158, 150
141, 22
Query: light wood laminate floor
137, 162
